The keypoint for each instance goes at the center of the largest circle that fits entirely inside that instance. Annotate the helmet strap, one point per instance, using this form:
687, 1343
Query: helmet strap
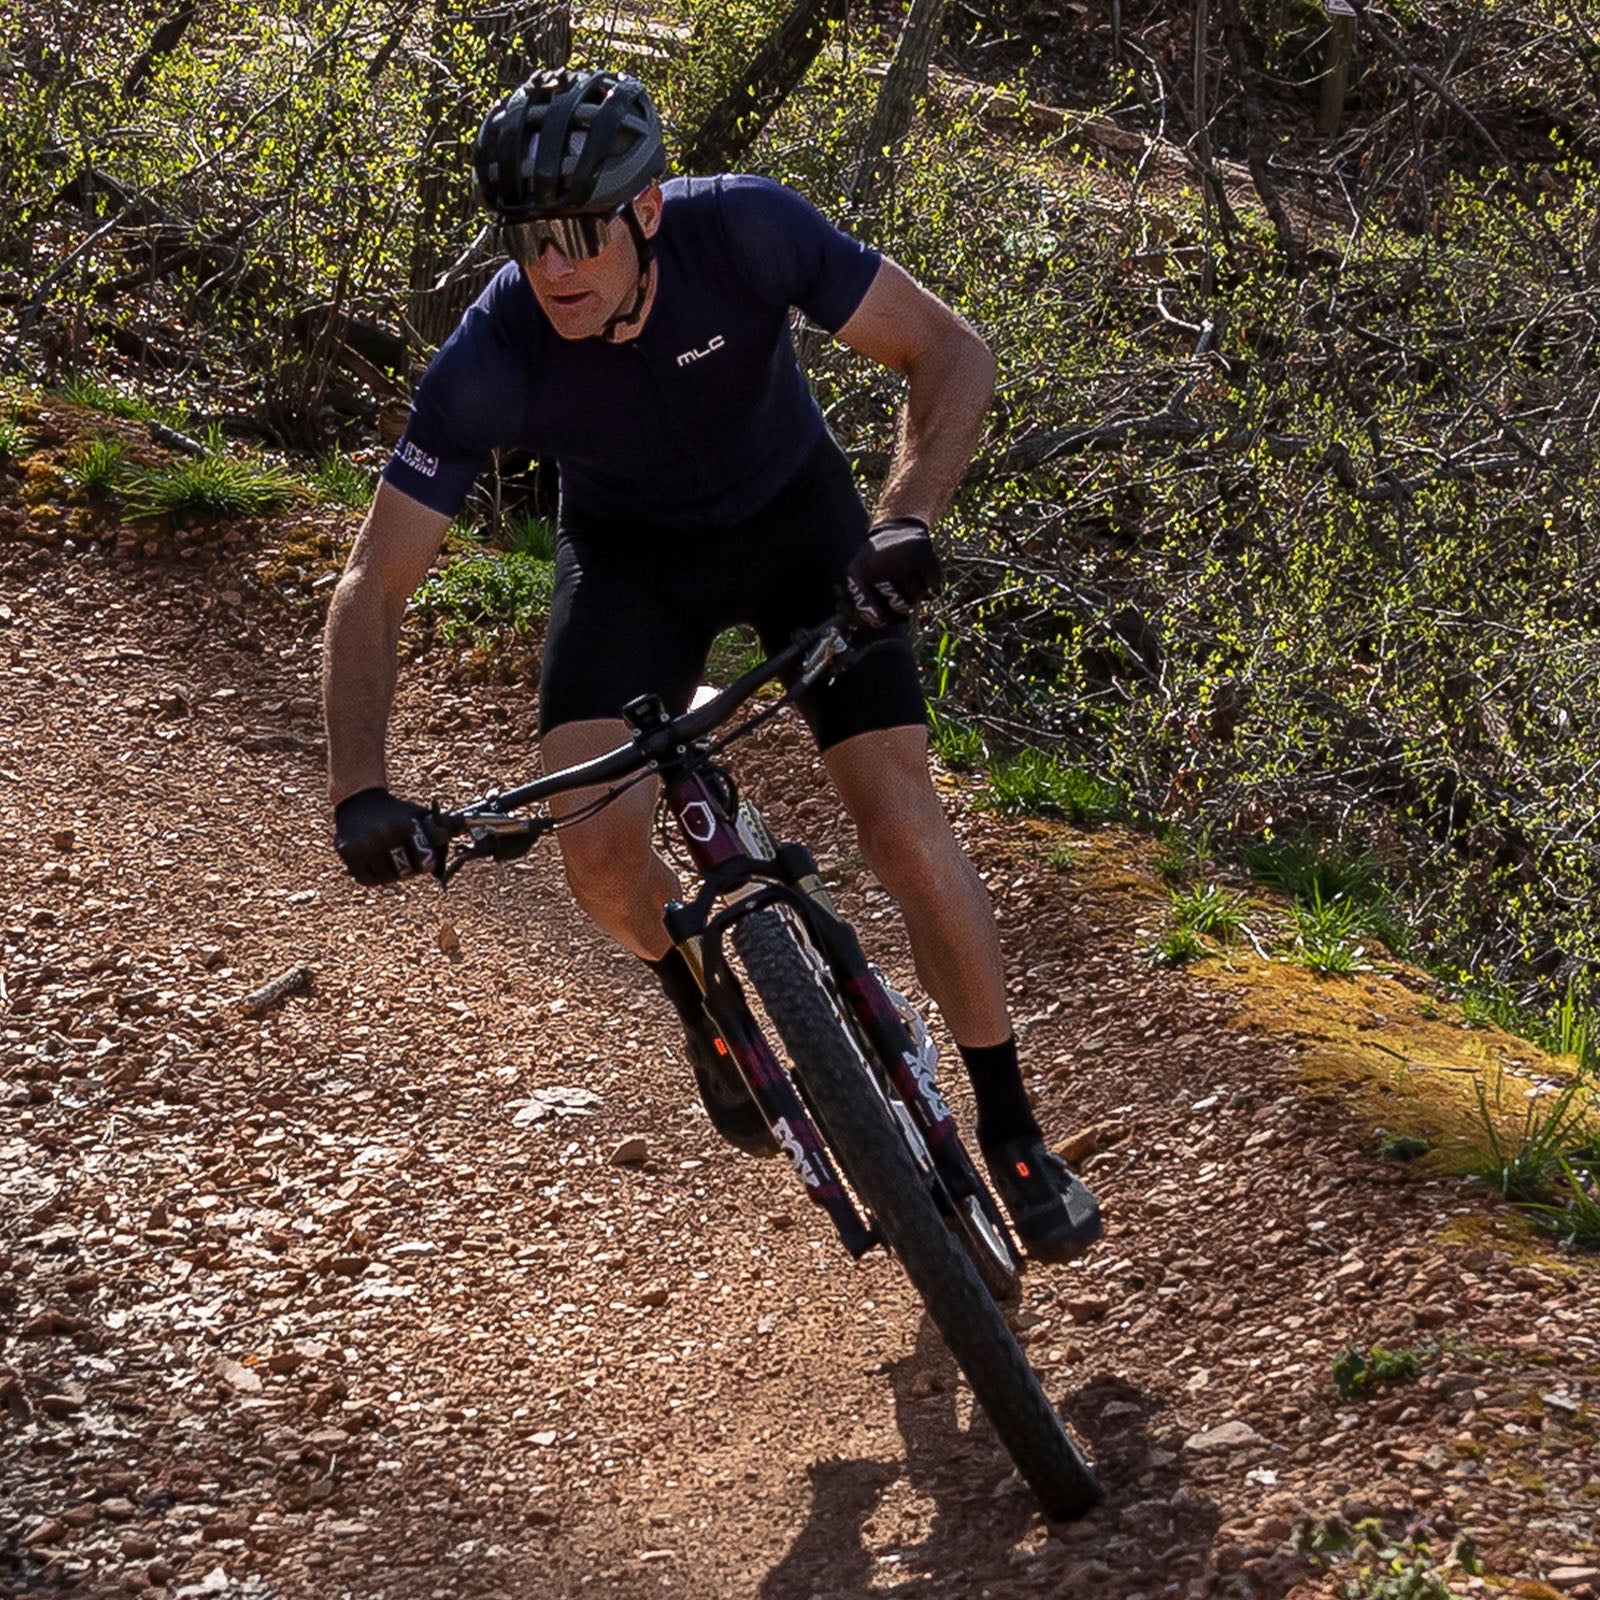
646, 253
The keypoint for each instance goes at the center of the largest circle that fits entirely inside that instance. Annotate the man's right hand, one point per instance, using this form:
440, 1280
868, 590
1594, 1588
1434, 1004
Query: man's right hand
381, 838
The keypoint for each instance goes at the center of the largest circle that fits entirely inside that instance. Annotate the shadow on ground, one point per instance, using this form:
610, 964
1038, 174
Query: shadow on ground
983, 1531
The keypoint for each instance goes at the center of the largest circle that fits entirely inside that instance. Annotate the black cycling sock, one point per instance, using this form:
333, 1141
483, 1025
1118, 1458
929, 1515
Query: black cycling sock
677, 981
1003, 1109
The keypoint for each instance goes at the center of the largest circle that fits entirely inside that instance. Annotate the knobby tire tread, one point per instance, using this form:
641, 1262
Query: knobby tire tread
861, 1130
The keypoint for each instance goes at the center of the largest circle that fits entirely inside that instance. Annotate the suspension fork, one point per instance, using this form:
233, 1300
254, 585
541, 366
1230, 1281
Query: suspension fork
720, 854
874, 1012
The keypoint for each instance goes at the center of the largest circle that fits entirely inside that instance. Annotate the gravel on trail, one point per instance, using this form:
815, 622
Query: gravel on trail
374, 1244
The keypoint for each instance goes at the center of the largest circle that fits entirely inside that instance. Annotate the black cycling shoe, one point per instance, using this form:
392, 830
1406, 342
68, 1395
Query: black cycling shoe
1055, 1215
724, 1093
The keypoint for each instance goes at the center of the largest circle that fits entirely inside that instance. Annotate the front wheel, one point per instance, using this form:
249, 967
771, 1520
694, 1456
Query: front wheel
859, 1127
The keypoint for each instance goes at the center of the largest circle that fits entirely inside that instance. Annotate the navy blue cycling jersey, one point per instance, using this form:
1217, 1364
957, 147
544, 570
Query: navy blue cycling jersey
700, 420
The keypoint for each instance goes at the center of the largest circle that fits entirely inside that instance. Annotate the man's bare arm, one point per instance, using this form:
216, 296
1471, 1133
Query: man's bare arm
360, 659
950, 381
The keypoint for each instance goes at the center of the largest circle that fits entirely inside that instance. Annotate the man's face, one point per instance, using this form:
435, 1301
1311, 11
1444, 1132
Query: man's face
581, 296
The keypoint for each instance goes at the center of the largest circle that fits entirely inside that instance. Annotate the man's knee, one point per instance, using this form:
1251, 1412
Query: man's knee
910, 843
605, 861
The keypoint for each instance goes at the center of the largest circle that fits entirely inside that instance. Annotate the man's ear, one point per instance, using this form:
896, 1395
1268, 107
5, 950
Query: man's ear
647, 209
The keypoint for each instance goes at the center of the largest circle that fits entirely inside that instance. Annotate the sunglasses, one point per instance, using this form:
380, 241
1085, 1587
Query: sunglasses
578, 238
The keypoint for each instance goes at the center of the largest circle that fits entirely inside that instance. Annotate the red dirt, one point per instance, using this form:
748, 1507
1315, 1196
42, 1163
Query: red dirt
320, 1303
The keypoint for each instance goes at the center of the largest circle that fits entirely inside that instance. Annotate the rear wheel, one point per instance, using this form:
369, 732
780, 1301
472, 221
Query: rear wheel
874, 1156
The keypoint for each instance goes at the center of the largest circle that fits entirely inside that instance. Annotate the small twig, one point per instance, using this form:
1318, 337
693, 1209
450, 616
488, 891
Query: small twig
162, 434
292, 980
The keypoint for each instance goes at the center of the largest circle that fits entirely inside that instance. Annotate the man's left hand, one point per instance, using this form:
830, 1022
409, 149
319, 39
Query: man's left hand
894, 570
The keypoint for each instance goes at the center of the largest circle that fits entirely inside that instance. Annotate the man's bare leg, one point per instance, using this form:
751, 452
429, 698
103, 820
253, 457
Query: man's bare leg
884, 782
619, 880
612, 866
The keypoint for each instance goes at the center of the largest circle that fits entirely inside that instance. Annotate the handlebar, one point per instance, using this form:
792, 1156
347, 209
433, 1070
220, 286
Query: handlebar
812, 654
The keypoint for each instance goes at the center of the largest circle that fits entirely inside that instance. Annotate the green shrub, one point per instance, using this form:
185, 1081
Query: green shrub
1398, 1569
481, 597
1357, 1371
13, 439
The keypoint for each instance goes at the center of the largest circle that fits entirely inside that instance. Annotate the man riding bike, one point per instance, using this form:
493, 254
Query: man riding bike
640, 335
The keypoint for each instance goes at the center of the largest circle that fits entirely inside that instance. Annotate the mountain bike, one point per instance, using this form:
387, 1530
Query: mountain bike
856, 1108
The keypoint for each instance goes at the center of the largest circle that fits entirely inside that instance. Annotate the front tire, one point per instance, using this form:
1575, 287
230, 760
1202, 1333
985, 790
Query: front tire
860, 1128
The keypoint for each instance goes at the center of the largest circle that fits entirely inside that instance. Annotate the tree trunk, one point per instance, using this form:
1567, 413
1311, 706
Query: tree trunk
906, 79
738, 118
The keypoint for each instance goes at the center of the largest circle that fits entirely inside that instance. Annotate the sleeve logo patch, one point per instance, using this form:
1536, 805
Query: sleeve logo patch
419, 460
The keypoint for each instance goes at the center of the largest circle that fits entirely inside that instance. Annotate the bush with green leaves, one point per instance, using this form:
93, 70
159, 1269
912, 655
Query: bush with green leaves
480, 597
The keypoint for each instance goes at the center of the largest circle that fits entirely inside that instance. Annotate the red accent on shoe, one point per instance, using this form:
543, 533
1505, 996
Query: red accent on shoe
722, 1048
1022, 1169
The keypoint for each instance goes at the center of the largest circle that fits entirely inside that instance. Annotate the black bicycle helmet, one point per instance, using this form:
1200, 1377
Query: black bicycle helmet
568, 142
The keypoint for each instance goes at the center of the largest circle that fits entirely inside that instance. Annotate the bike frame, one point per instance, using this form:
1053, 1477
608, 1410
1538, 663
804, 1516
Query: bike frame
735, 883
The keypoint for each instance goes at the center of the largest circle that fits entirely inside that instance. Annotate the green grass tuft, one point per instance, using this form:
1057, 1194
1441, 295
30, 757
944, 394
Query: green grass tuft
343, 482
1575, 1220
97, 396
1033, 783
96, 466
1553, 1130
1210, 911
1307, 868
957, 744
218, 484
1177, 947
528, 535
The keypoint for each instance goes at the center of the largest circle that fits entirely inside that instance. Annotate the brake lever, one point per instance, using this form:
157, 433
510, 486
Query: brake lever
494, 837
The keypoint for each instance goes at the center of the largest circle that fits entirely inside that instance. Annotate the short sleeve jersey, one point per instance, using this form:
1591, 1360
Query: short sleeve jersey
698, 421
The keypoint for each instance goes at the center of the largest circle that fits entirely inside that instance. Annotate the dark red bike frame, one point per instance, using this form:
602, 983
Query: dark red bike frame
699, 798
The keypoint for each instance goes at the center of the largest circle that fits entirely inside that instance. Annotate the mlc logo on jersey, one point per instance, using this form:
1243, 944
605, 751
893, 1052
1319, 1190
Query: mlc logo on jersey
689, 357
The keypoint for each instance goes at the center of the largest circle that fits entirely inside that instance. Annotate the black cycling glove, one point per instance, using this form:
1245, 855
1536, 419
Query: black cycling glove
381, 838
893, 570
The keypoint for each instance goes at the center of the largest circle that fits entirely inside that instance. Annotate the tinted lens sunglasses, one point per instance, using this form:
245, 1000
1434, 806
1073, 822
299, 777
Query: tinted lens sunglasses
578, 238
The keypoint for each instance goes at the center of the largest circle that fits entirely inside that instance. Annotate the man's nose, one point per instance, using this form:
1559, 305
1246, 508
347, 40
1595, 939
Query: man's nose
552, 263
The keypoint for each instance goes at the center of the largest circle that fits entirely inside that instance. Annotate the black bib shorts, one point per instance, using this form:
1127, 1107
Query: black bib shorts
636, 611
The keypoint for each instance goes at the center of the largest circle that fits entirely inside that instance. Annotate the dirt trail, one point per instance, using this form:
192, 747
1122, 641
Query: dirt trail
348, 1299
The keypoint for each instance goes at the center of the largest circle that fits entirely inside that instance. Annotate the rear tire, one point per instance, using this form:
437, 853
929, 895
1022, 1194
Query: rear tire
860, 1129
